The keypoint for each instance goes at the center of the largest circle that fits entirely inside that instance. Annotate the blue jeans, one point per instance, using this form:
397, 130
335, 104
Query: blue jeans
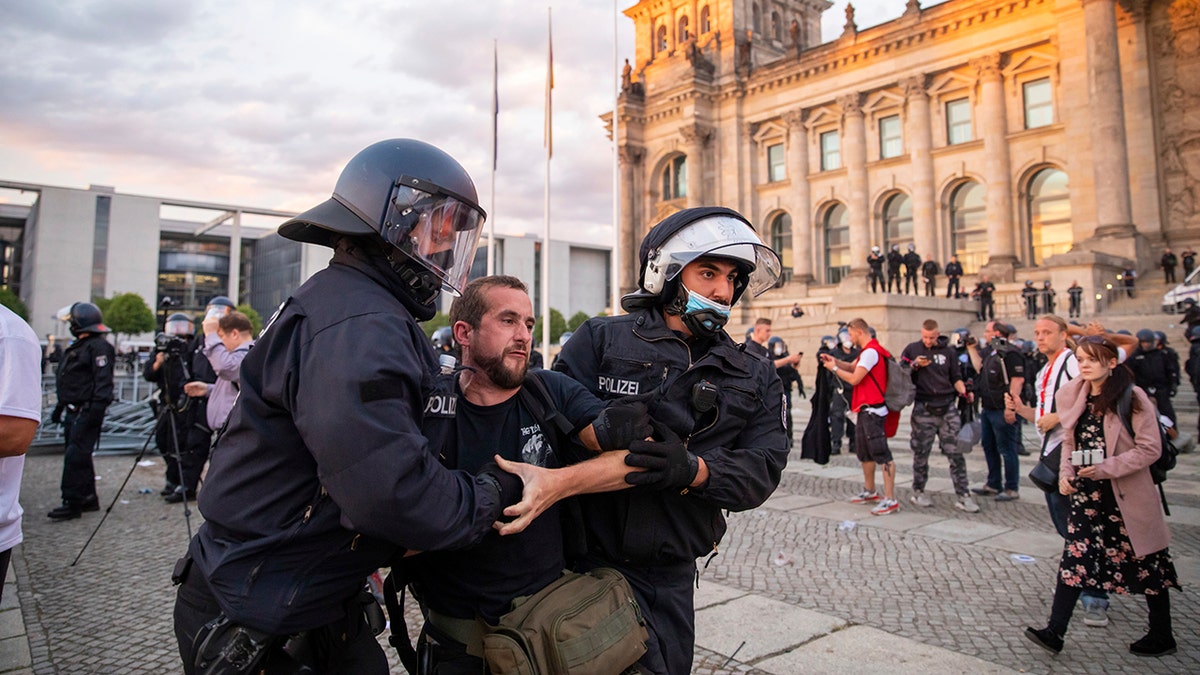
1059, 506
1000, 442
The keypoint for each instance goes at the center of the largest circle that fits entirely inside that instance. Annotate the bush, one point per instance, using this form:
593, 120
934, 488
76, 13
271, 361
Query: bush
256, 322
11, 301
435, 323
577, 320
558, 326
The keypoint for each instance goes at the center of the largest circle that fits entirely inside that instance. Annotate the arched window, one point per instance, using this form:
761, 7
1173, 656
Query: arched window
756, 13
705, 20
898, 223
968, 226
837, 243
660, 40
776, 27
674, 179
683, 29
1049, 211
781, 241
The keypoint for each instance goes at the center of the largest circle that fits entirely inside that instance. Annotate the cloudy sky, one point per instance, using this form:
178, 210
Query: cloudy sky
261, 103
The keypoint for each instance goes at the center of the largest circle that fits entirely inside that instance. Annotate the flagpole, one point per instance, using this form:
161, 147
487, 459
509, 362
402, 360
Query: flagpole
616, 179
491, 253
549, 140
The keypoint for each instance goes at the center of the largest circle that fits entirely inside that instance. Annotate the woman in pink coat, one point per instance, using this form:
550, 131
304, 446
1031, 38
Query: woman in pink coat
1117, 536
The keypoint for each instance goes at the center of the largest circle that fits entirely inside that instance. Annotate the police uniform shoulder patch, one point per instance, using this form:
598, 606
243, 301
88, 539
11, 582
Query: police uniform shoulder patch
101, 360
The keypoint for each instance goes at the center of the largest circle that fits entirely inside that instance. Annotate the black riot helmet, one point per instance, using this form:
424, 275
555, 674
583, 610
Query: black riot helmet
179, 325
84, 317
777, 347
687, 236
443, 339
418, 199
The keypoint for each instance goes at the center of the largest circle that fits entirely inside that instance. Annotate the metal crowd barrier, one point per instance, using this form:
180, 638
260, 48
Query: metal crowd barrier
128, 422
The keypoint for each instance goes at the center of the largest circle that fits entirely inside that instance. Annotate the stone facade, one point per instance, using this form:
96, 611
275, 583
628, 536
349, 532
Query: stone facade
1041, 139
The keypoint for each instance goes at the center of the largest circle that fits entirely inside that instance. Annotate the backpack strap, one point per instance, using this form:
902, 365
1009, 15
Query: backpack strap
1125, 412
536, 398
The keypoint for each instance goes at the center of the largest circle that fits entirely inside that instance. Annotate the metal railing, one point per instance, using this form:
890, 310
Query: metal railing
128, 422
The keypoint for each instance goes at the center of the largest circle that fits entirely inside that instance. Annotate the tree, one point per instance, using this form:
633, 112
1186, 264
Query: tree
577, 320
256, 323
435, 323
127, 313
558, 326
11, 301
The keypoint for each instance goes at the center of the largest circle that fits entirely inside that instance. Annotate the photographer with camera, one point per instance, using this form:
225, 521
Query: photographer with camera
1001, 370
182, 432
227, 340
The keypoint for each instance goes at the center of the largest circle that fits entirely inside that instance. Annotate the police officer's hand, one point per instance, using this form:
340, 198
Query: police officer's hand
56, 416
621, 423
667, 462
95, 413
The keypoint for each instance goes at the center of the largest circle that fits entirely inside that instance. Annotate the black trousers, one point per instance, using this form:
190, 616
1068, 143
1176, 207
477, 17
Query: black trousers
895, 277
910, 280
82, 431
876, 278
930, 286
1074, 308
356, 652
5, 557
1064, 605
1169, 273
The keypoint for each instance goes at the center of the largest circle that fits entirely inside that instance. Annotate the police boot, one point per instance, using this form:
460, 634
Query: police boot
67, 511
179, 494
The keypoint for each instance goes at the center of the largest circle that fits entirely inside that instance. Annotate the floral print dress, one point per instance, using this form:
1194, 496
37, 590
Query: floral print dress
1097, 553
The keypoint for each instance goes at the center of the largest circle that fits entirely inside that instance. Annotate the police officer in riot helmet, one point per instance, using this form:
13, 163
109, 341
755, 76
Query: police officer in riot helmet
85, 388
322, 475
184, 437
703, 386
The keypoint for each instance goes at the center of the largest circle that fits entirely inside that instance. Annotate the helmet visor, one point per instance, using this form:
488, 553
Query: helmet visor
723, 237
435, 228
178, 327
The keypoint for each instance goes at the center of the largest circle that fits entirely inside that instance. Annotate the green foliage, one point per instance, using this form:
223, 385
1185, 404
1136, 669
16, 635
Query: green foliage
558, 326
11, 301
256, 321
102, 304
127, 313
435, 323
577, 320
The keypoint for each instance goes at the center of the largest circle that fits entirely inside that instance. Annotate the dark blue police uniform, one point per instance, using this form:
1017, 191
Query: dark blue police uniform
85, 388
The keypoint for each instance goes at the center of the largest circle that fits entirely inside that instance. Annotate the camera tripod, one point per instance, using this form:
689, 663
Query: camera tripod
168, 411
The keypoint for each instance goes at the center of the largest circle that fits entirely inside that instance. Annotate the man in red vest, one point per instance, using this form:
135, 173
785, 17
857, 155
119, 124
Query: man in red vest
870, 430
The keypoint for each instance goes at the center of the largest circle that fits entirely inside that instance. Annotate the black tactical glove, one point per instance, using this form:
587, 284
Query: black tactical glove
95, 412
56, 416
509, 485
668, 463
621, 423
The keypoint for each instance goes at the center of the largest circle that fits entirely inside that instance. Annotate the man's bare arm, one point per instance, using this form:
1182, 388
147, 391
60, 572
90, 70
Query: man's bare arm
544, 487
16, 433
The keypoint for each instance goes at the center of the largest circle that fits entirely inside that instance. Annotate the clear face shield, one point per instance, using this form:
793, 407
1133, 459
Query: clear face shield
720, 236
435, 228
178, 327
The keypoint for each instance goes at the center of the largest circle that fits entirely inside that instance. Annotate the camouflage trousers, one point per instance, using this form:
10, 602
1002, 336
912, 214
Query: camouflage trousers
926, 427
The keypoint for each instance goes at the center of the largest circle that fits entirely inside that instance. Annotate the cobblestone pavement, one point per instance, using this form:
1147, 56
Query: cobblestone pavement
934, 576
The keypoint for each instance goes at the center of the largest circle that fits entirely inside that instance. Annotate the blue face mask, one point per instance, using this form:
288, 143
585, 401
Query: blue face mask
702, 315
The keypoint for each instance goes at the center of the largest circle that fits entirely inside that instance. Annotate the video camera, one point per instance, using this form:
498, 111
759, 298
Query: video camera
171, 345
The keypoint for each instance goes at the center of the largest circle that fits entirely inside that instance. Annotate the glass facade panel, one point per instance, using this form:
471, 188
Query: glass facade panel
191, 271
674, 179
837, 243
831, 151
891, 139
1039, 108
100, 247
968, 226
781, 241
1049, 212
897, 222
958, 121
776, 167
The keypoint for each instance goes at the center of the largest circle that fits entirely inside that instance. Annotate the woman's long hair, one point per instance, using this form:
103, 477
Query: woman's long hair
1119, 378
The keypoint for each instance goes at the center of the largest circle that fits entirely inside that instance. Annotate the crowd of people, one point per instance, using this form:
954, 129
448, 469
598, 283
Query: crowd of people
478, 477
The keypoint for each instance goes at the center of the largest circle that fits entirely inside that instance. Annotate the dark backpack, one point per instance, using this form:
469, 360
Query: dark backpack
1166, 460
900, 391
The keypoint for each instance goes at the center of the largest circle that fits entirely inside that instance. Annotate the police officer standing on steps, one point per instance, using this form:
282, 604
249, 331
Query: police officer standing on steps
720, 412
1030, 295
875, 262
912, 265
895, 262
85, 388
322, 475
1075, 300
954, 272
929, 271
1153, 371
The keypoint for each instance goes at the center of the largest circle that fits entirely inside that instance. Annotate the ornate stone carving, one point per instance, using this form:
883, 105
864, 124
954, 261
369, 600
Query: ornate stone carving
851, 104
912, 7
630, 155
851, 28
987, 67
914, 85
1175, 38
794, 119
696, 134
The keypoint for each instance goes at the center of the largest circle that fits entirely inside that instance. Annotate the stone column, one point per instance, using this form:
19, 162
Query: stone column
797, 168
854, 155
629, 158
695, 138
1110, 158
1002, 242
920, 140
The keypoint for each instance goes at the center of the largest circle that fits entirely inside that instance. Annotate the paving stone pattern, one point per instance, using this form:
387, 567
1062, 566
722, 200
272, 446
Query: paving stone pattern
111, 613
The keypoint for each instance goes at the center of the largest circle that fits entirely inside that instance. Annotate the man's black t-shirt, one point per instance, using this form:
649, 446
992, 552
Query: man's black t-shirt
997, 369
484, 579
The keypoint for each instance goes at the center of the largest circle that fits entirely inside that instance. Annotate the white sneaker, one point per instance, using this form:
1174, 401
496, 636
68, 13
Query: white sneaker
885, 507
920, 499
1095, 616
965, 503
864, 497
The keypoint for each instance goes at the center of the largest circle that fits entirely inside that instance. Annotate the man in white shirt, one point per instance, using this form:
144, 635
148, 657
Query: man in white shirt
20, 413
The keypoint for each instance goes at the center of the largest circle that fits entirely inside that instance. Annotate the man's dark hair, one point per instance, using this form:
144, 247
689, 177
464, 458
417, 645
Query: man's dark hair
235, 320
929, 324
762, 321
472, 304
859, 324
